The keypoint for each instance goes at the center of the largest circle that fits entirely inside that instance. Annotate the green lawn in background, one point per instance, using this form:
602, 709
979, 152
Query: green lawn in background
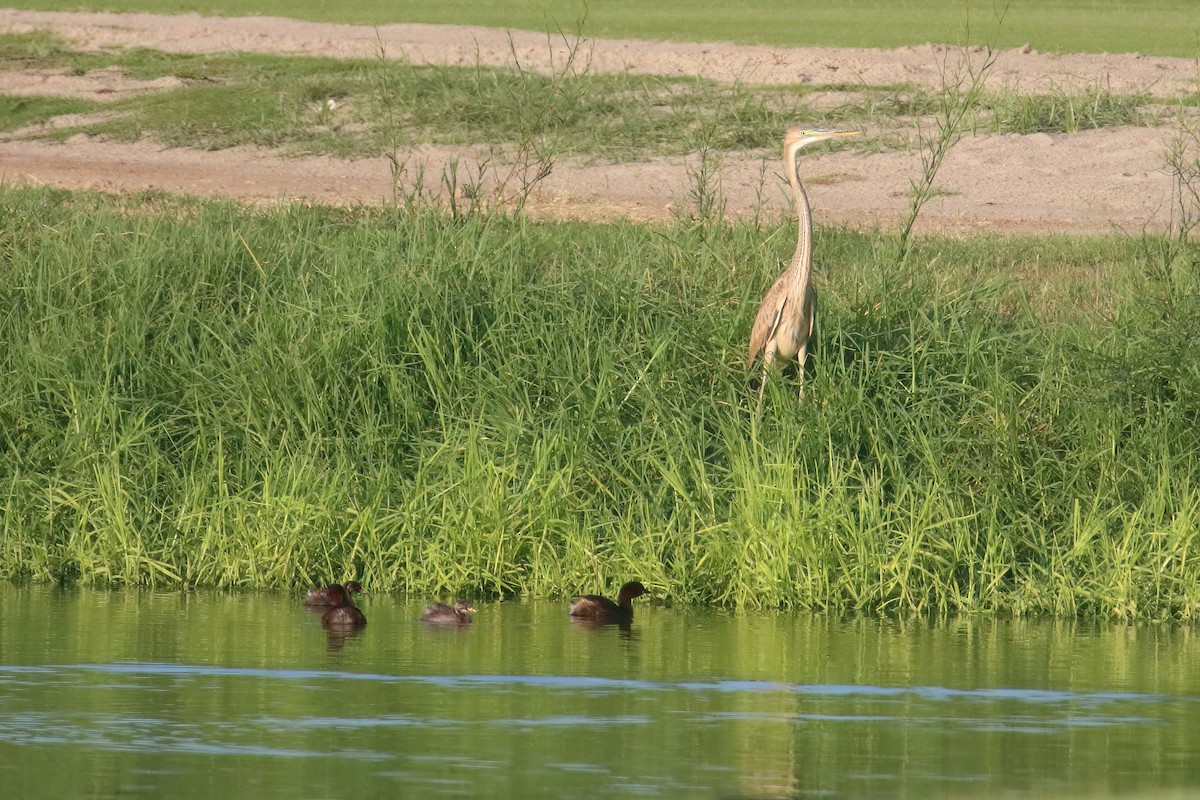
1157, 27
232, 99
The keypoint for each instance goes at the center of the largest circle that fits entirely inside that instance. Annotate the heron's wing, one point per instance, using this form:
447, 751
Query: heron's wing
767, 320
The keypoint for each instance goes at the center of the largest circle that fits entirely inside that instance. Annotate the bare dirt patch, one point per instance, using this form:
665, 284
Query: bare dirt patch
110, 83
1090, 182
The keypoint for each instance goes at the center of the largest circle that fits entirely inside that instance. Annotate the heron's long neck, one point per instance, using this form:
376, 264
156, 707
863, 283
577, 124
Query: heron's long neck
802, 258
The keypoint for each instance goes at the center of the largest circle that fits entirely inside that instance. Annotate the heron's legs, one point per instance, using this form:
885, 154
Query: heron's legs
801, 357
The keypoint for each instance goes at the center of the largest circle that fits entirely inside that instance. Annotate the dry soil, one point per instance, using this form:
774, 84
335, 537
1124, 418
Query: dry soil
1090, 182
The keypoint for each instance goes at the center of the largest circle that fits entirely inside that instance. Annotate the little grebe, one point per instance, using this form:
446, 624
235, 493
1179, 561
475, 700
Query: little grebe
320, 598
600, 610
344, 614
440, 612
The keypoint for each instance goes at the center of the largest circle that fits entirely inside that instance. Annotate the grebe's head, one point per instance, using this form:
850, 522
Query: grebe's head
631, 590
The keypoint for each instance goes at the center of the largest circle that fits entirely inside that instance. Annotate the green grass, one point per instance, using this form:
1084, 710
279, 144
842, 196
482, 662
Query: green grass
18, 111
1063, 112
356, 108
284, 102
206, 395
1157, 27
200, 394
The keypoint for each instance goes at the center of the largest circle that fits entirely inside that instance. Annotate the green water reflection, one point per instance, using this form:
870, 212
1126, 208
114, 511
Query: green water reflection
195, 695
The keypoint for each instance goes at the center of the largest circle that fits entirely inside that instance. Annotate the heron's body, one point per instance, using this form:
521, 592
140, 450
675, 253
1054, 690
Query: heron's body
785, 321
784, 324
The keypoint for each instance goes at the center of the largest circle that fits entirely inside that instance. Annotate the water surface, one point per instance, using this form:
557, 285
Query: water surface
206, 694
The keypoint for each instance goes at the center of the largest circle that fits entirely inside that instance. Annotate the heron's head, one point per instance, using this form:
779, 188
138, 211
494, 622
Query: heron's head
799, 136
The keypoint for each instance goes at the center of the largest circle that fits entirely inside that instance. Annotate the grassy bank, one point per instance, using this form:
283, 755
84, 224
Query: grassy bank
199, 394
1156, 27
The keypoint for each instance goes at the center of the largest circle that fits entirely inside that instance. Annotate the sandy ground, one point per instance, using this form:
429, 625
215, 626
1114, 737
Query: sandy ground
1093, 182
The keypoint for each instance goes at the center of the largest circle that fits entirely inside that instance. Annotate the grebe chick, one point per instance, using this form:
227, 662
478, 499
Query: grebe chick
602, 611
320, 598
456, 614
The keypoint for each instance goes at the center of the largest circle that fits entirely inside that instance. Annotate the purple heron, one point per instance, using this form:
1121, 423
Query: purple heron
784, 323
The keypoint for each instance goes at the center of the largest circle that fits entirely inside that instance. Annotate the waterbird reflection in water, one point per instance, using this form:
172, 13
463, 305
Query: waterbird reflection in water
336, 636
